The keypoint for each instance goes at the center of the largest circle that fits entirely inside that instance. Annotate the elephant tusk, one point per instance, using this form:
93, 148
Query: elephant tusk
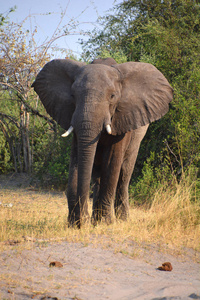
108, 129
68, 132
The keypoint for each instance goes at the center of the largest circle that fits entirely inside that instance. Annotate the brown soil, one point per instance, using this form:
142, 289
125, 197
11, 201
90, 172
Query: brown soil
88, 272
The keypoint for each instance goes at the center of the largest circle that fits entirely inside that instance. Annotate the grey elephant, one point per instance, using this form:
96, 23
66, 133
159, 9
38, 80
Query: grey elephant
109, 107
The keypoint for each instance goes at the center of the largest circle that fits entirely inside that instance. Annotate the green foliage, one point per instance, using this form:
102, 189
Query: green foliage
5, 156
153, 175
167, 35
29, 139
147, 58
58, 168
143, 189
118, 56
52, 167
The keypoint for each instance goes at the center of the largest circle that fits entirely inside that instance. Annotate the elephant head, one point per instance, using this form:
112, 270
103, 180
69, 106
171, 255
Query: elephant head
102, 98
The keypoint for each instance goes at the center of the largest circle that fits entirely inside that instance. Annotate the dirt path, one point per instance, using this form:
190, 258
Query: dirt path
94, 273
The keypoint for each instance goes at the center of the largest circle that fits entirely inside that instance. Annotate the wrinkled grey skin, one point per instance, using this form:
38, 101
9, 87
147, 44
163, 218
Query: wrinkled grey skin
126, 96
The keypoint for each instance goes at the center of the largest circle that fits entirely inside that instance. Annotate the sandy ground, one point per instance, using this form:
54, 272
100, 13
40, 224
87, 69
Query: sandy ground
97, 272
89, 272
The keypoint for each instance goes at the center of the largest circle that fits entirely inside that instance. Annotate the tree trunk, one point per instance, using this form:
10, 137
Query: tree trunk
24, 124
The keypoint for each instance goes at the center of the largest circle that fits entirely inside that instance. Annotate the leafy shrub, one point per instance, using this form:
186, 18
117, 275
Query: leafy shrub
53, 171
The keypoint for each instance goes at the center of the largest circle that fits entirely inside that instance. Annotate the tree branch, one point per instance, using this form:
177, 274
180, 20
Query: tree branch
10, 119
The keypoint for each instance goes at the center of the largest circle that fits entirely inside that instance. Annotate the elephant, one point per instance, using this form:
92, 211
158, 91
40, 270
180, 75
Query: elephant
108, 107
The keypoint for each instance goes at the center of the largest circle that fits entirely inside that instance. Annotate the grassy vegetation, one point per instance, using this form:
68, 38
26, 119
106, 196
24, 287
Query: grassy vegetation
172, 221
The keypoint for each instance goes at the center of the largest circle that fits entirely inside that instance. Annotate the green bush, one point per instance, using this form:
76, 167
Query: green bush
53, 171
6, 165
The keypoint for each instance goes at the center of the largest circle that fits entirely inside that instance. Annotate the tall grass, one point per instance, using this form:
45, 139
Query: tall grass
172, 219
174, 215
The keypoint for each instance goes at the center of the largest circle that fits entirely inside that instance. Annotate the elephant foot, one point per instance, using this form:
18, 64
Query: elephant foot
123, 217
121, 212
77, 222
107, 217
74, 222
94, 222
100, 217
96, 217
107, 220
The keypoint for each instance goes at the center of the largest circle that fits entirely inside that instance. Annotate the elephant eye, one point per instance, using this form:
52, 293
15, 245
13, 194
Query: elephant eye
112, 96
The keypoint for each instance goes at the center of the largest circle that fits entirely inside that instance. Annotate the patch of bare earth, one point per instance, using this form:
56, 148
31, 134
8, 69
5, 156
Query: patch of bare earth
88, 272
39, 269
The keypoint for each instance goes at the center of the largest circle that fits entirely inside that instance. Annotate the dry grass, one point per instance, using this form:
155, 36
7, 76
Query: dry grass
172, 220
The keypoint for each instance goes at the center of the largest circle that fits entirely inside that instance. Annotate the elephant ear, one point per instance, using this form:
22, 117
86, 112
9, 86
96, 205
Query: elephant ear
145, 96
53, 85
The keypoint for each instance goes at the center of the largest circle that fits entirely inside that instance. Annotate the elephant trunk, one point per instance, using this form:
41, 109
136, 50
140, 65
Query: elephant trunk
86, 154
88, 124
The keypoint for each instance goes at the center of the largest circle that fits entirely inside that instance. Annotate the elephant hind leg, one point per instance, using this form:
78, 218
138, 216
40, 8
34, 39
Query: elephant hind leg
97, 206
121, 203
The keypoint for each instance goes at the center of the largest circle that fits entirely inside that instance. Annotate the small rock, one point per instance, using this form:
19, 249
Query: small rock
49, 297
165, 267
56, 264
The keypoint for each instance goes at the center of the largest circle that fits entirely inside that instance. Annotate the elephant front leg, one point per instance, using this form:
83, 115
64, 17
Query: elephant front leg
73, 205
96, 208
109, 179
